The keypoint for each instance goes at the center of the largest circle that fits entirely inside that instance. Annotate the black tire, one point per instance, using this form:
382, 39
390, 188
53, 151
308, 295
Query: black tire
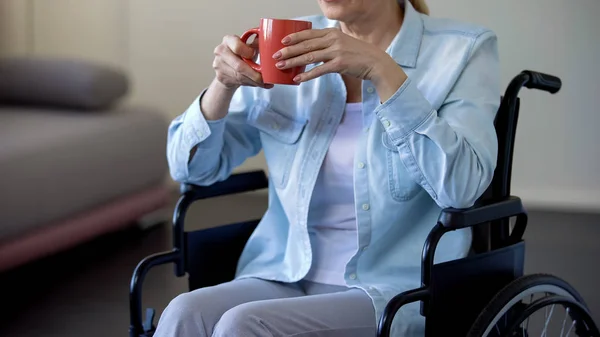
512, 291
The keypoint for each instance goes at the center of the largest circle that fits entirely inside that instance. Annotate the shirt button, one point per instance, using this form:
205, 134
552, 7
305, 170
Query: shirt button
275, 126
361, 165
366, 207
364, 248
370, 90
353, 276
387, 123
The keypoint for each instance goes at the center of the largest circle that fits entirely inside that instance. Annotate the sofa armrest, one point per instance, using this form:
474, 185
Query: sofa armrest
64, 83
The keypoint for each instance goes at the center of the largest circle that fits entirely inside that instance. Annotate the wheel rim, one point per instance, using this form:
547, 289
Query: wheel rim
529, 292
572, 309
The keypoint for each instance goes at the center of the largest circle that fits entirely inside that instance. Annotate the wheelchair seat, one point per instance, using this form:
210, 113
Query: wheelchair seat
489, 284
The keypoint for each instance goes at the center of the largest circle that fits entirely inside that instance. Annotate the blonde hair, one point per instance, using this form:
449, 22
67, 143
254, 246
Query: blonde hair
420, 6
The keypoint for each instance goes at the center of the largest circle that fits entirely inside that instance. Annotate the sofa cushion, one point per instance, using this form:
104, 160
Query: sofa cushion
59, 82
54, 165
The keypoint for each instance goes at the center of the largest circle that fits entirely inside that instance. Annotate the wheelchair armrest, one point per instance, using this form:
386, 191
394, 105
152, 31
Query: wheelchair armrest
137, 326
486, 212
236, 183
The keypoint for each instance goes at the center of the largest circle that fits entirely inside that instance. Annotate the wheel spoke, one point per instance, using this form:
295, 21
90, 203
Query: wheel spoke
571, 328
564, 321
527, 321
548, 317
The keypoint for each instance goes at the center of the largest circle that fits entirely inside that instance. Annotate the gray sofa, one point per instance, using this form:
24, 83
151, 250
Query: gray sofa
75, 162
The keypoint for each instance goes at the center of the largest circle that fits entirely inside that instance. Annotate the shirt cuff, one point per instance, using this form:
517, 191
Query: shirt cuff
404, 111
199, 131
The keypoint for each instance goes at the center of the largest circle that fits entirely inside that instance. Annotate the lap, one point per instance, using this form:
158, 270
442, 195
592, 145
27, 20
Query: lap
201, 309
345, 313
264, 308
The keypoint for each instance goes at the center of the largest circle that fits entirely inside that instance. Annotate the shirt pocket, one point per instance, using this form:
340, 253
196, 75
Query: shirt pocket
280, 137
401, 185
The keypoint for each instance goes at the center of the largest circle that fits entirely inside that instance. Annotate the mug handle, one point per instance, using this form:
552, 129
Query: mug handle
244, 38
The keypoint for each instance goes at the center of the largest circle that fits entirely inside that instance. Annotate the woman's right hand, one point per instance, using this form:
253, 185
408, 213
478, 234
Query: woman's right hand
231, 70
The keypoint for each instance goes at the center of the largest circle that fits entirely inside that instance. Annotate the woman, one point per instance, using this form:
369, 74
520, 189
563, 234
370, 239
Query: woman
392, 121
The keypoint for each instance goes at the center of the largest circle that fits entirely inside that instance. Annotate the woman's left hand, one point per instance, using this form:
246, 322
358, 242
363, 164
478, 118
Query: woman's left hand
340, 53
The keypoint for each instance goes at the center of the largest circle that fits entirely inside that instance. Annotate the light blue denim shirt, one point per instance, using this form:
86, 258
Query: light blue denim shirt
431, 145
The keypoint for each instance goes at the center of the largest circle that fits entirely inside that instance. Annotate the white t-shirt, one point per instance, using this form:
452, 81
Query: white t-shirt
332, 216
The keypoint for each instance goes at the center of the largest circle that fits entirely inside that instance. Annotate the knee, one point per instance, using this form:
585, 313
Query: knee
244, 320
181, 306
182, 317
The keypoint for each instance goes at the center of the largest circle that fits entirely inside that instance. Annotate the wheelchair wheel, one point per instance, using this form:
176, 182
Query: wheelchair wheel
512, 312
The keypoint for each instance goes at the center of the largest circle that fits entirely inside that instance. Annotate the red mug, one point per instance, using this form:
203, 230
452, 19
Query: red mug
269, 35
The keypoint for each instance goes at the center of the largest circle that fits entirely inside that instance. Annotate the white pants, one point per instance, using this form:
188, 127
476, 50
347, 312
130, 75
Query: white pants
258, 308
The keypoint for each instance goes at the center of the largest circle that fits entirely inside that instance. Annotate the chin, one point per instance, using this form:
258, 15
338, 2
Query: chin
337, 9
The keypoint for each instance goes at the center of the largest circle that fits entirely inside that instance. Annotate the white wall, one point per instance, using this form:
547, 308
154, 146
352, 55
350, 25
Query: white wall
557, 155
15, 27
167, 48
93, 29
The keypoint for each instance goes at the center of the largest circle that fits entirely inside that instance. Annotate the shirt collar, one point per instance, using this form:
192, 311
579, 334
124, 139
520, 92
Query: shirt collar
405, 46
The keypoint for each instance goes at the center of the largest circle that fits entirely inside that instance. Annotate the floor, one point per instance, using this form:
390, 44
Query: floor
84, 292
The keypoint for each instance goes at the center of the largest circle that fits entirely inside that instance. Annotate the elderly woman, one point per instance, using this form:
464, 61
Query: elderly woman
391, 122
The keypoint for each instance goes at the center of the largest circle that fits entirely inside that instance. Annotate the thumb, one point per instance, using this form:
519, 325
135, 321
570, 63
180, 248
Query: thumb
238, 47
254, 46
246, 51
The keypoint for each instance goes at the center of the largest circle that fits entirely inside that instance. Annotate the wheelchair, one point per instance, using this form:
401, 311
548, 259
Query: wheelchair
483, 294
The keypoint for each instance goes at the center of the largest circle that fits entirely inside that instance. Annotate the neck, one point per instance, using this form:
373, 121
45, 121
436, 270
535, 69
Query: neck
378, 26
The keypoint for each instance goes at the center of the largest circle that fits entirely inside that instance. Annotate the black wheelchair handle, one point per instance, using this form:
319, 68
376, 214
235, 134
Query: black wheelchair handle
541, 81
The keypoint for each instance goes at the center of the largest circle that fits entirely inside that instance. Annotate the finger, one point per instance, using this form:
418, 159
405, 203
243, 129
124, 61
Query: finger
238, 65
315, 72
233, 76
230, 74
248, 82
254, 46
304, 35
304, 59
243, 78
302, 48
238, 47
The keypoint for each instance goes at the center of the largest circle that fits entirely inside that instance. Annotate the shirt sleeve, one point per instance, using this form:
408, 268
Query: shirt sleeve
452, 151
221, 145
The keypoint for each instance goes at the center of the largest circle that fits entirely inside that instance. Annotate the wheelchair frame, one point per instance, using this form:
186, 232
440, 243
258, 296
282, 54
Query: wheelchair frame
209, 256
